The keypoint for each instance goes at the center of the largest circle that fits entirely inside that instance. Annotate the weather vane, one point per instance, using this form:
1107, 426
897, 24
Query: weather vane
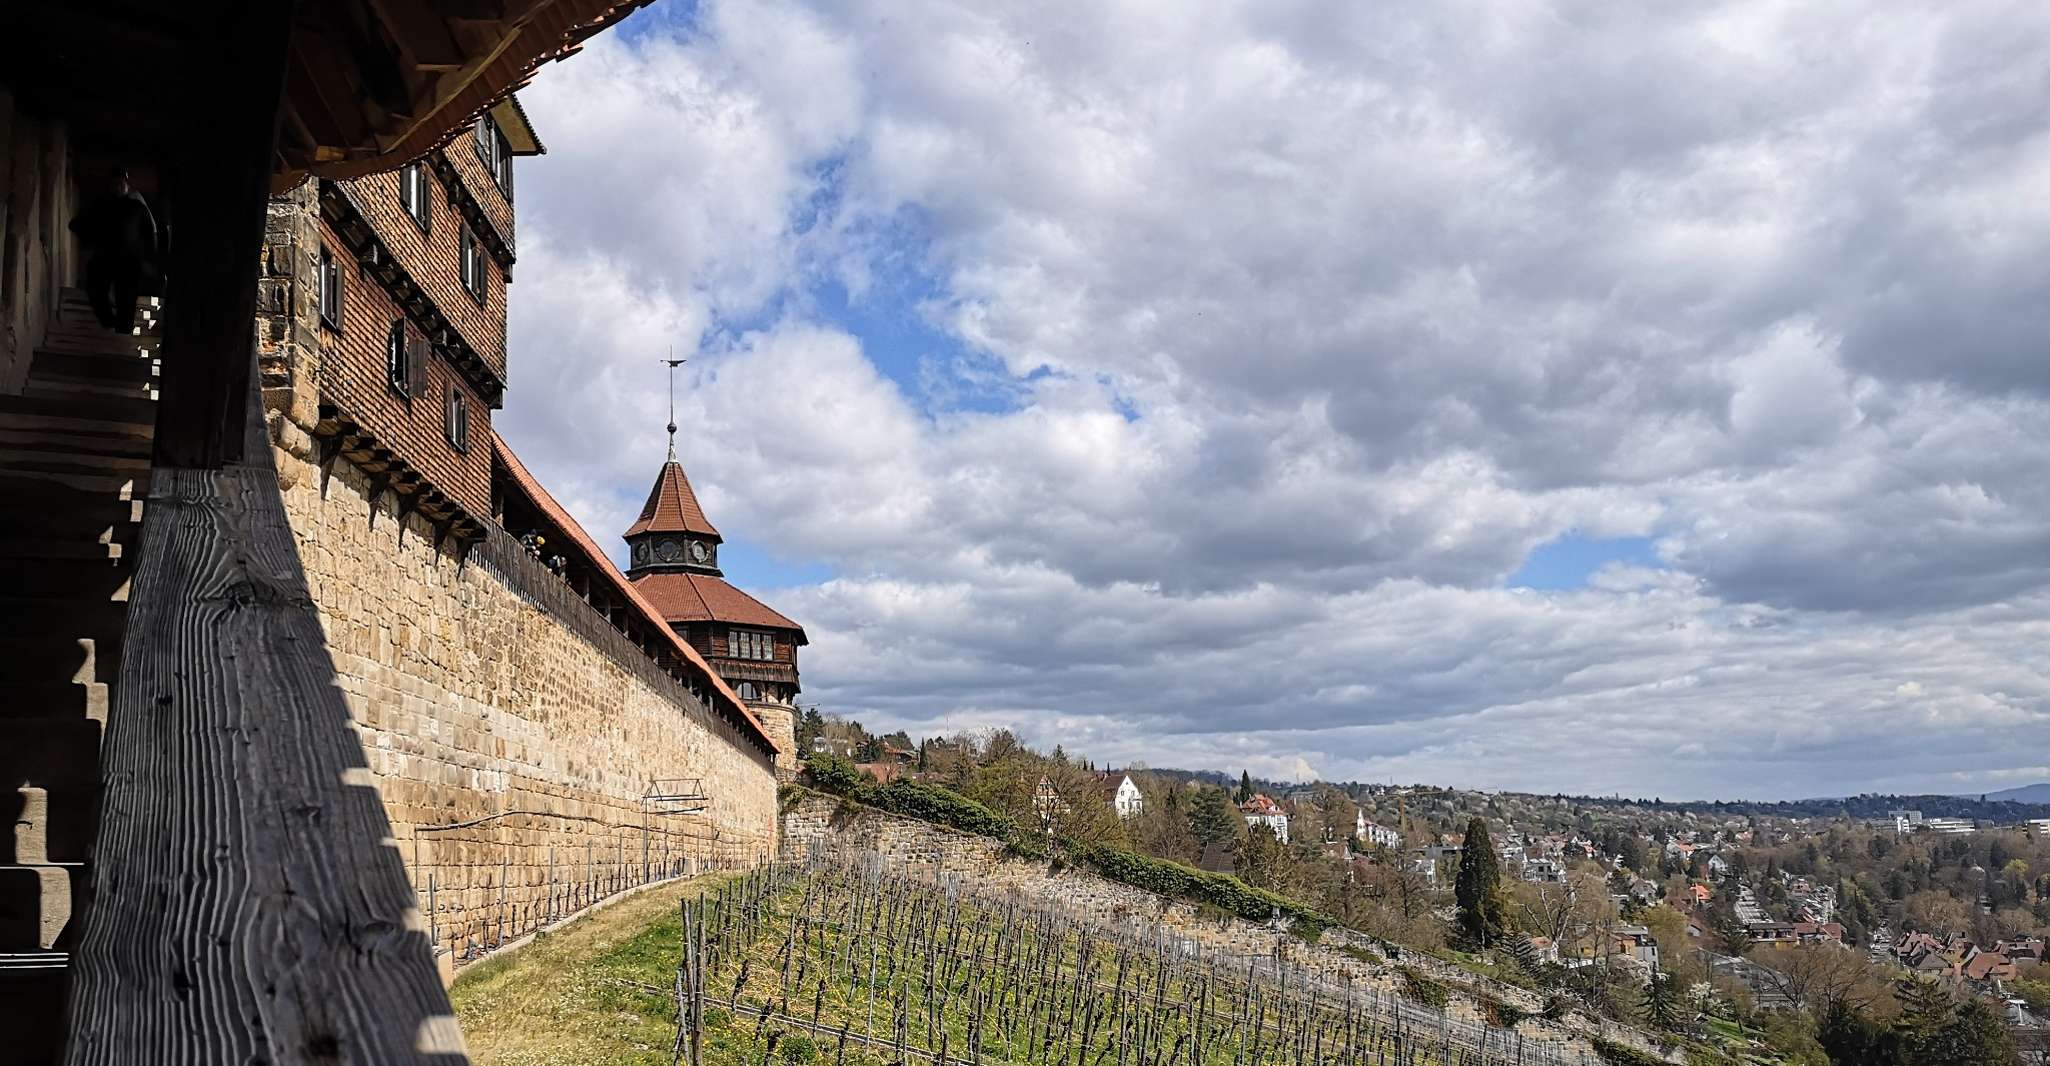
673, 362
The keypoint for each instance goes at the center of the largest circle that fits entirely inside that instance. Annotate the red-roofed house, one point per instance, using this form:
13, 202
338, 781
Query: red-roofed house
675, 566
1263, 811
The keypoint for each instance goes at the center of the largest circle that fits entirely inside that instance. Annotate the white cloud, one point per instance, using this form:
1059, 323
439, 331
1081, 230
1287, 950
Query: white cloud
1391, 297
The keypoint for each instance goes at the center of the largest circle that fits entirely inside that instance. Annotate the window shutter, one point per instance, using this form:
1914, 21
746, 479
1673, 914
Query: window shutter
416, 362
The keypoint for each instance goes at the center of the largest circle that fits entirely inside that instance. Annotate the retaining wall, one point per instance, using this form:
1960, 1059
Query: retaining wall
519, 741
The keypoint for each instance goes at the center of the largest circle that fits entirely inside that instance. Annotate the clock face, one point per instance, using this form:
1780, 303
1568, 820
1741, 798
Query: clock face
641, 552
668, 551
697, 551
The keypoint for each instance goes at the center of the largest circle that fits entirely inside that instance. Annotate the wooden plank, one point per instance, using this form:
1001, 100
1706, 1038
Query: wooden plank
420, 34
249, 906
221, 181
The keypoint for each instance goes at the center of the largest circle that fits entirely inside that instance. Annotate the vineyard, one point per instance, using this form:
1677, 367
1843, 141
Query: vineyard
842, 960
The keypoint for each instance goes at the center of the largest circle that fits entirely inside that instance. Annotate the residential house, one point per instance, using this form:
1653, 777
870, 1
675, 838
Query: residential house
1374, 833
1122, 792
1261, 810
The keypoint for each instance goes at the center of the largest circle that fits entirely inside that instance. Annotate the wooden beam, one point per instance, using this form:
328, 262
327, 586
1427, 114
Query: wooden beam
221, 181
420, 34
248, 903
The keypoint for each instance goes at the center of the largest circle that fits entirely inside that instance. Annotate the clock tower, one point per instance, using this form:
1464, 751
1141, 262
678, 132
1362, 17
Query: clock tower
673, 533
673, 562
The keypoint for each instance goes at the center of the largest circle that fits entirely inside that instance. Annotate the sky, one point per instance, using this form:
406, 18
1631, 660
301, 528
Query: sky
1552, 396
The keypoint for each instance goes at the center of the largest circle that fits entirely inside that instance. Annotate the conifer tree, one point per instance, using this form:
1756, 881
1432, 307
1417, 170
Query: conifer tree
1245, 786
1210, 817
1478, 888
1662, 1001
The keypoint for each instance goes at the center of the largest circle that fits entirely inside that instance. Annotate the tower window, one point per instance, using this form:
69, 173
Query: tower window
494, 153
747, 691
750, 644
396, 372
413, 196
473, 266
456, 426
405, 359
330, 292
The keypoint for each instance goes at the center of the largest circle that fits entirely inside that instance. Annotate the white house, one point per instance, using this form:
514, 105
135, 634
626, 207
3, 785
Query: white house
1262, 810
1374, 833
1125, 797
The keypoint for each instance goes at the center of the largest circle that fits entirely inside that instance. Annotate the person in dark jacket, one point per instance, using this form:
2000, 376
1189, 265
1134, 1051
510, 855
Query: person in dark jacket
121, 234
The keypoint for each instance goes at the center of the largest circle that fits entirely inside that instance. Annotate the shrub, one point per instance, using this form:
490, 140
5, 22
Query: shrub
1623, 1054
1423, 989
929, 803
932, 803
831, 773
1218, 890
796, 1048
1502, 1015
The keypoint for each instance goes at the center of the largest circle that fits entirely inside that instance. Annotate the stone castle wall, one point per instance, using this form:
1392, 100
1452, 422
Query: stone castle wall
779, 720
516, 738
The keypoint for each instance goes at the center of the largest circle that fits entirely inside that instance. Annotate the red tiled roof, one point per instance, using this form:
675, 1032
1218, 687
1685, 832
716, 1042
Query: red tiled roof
604, 570
1261, 804
682, 596
672, 507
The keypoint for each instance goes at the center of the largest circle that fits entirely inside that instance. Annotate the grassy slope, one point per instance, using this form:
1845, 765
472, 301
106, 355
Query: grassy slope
571, 996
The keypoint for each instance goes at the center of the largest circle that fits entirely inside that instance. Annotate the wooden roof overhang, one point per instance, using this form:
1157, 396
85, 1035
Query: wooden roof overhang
369, 84
376, 83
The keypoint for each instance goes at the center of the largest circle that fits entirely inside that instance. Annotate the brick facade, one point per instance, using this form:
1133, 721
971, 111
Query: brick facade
493, 200
353, 378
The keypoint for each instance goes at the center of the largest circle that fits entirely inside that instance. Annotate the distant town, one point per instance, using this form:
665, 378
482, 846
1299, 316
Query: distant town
1783, 919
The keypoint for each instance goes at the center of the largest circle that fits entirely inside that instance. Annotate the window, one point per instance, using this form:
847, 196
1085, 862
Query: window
330, 282
750, 644
474, 267
456, 425
494, 153
413, 196
484, 138
747, 691
405, 359
396, 371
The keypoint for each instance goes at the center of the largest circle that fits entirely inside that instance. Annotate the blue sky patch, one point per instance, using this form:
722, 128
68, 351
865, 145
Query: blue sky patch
753, 569
1568, 561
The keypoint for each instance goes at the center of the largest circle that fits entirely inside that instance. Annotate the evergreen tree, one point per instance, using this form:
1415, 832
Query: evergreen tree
1937, 1029
1210, 817
1245, 786
1847, 1036
1662, 1001
809, 727
1478, 888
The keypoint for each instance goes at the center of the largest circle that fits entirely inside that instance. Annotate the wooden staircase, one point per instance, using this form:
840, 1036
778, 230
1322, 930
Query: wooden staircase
74, 468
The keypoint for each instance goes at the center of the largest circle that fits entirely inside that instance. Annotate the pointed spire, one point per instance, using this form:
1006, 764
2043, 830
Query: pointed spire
672, 507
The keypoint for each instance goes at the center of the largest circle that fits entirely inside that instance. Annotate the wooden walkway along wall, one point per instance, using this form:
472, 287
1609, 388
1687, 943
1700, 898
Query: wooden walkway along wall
250, 905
